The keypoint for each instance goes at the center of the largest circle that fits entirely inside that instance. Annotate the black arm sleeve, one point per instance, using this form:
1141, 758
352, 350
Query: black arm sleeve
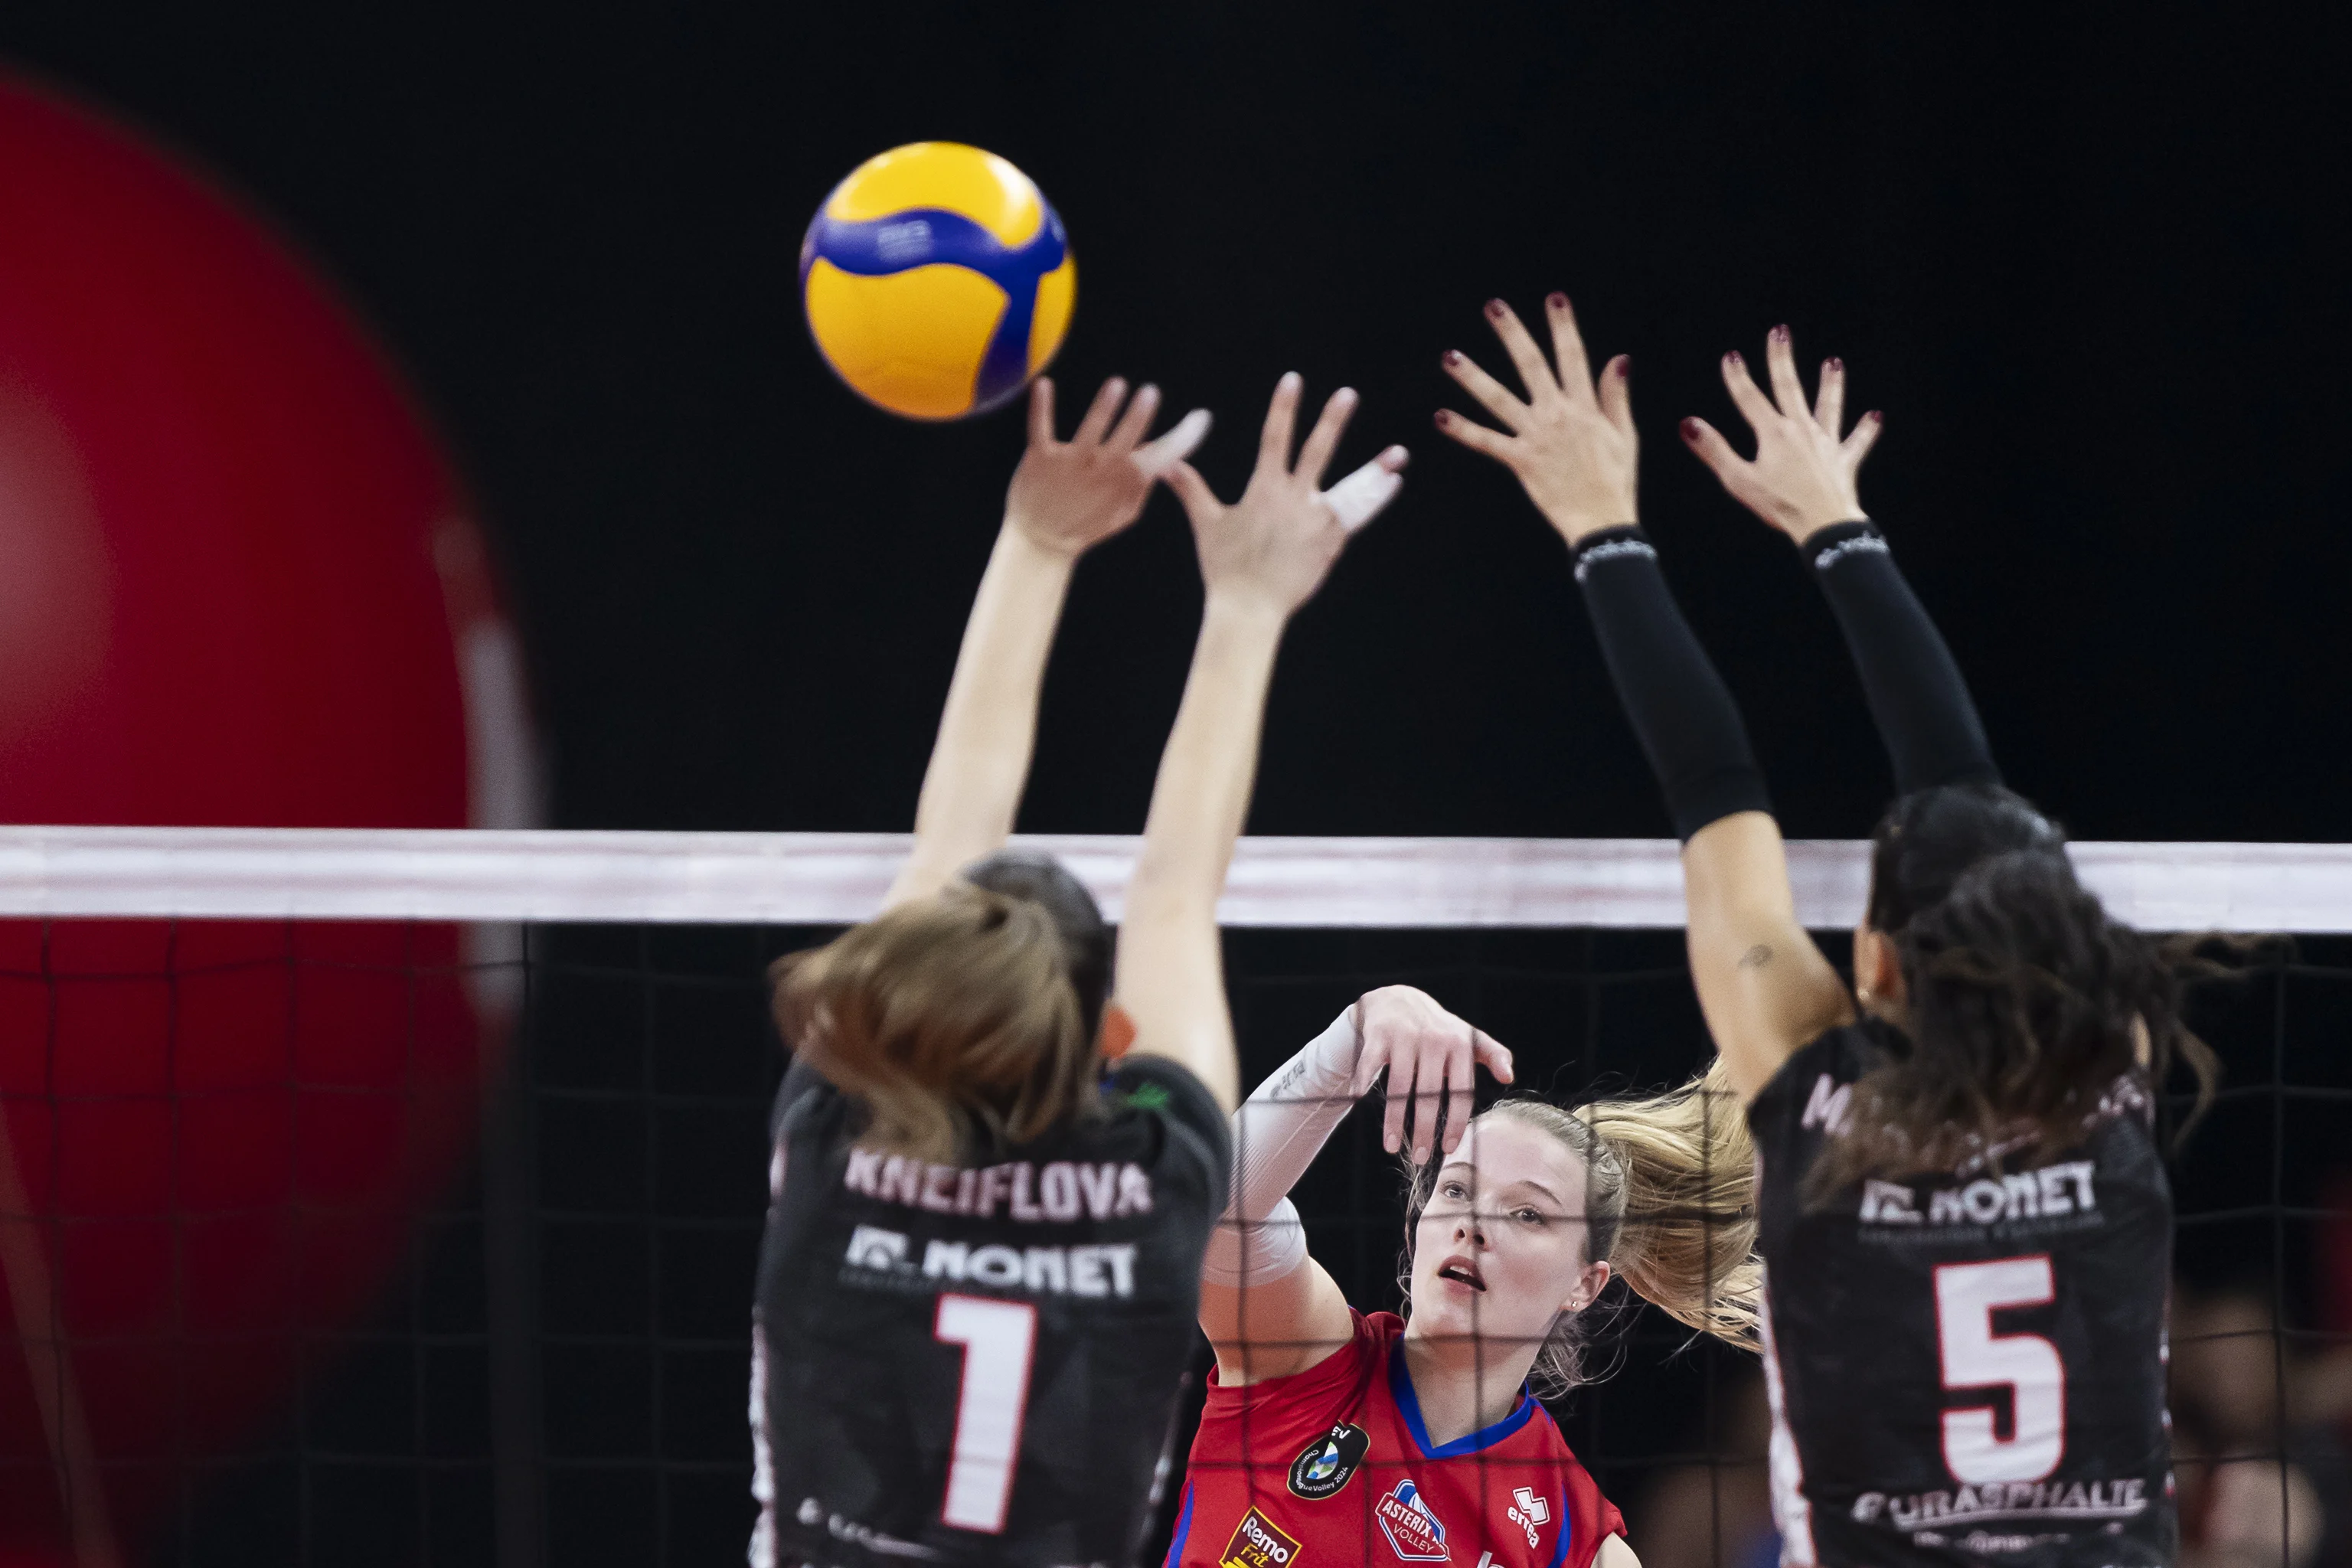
1916, 693
1689, 726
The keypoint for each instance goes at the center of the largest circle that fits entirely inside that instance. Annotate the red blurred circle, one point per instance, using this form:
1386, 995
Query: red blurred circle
237, 586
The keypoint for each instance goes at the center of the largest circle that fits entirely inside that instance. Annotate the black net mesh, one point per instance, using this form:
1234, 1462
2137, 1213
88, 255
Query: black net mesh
556, 1371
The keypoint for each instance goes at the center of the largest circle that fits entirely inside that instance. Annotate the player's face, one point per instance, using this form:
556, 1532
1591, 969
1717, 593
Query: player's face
1500, 1249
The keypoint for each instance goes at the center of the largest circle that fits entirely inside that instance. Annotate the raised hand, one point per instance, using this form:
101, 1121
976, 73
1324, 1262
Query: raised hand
1272, 548
1569, 441
1428, 1054
1069, 496
1802, 478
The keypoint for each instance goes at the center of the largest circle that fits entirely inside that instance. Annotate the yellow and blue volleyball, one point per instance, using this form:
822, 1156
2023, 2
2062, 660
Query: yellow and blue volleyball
937, 280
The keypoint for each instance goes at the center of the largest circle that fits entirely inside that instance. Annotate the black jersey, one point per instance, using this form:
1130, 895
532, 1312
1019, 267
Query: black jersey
972, 1363
1965, 1368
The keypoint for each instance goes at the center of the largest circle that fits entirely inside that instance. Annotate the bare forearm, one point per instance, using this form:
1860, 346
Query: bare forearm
1763, 986
989, 728
1202, 790
1170, 978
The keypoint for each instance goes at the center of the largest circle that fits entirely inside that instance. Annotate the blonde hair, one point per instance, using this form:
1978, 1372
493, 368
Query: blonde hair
1669, 1205
952, 1020
1689, 1242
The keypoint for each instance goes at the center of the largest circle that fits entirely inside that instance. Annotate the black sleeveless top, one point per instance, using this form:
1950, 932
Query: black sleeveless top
960, 1364
1967, 1367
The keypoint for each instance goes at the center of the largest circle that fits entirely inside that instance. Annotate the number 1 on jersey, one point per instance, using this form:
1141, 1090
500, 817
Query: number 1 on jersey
997, 1337
1967, 1296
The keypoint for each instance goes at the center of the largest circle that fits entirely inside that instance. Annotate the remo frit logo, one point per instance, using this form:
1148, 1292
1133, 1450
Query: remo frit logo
1259, 1543
1324, 1466
1410, 1525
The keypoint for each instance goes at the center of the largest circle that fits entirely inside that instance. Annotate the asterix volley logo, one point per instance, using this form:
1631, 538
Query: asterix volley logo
1410, 1525
1327, 1463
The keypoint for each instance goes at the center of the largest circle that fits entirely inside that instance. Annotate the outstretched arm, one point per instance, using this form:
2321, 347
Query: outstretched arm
1261, 558
1067, 497
1802, 483
1764, 986
1269, 1310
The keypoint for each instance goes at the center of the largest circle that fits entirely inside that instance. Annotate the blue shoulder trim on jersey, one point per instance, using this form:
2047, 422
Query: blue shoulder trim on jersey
1183, 1528
1567, 1529
1400, 1390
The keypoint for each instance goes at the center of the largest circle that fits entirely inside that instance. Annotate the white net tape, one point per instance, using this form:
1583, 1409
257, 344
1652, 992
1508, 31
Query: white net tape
820, 879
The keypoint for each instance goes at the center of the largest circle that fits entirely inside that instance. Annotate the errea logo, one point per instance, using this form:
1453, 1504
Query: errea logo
1528, 1512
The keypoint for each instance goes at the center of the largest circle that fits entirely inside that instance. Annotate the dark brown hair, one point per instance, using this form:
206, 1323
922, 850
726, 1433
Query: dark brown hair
961, 1020
2024, 1005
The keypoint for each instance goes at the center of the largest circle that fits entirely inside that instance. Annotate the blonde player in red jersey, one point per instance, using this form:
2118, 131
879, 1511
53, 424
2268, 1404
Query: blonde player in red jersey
1342, 1439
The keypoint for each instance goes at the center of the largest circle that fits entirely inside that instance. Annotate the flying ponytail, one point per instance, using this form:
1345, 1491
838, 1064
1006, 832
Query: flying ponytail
1687, 1242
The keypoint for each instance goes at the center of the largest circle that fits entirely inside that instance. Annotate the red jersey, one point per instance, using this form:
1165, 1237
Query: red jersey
1332, 1468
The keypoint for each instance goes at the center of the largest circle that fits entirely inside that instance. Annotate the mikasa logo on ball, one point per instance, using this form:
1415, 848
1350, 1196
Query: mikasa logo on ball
900, 242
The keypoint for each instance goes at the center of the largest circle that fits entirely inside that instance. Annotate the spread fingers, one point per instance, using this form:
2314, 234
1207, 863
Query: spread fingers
1493, 396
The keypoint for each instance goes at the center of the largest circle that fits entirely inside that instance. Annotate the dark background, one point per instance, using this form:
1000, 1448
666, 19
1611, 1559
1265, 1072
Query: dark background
2086, 260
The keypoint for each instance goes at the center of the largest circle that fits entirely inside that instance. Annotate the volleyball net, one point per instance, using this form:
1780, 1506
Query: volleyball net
395, 1196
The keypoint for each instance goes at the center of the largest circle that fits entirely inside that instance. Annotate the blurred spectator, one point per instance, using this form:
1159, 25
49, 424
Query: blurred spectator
2321, 1394
2264, 1483
1715, 1512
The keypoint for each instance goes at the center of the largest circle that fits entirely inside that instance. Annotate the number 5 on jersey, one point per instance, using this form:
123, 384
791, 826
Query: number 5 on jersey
997, 1337
1974, 1357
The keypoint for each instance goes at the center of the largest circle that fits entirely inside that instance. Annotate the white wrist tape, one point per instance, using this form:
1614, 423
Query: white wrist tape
1277, 1133
1174, 445
1357, 499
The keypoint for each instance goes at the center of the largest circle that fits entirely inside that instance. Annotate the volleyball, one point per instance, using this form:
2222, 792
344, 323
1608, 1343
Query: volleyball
937, 280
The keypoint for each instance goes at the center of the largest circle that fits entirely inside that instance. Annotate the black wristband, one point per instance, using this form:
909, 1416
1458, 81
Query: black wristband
1623, 542
1683, 713
1914, 689
1841, 539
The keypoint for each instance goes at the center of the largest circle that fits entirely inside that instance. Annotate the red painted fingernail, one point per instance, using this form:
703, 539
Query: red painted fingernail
1690, 429
1733, 358
1556, 300
1624, 366
1444, 418
1780, 334
1453, 356
1837, 364
1494, 308
1875, 413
